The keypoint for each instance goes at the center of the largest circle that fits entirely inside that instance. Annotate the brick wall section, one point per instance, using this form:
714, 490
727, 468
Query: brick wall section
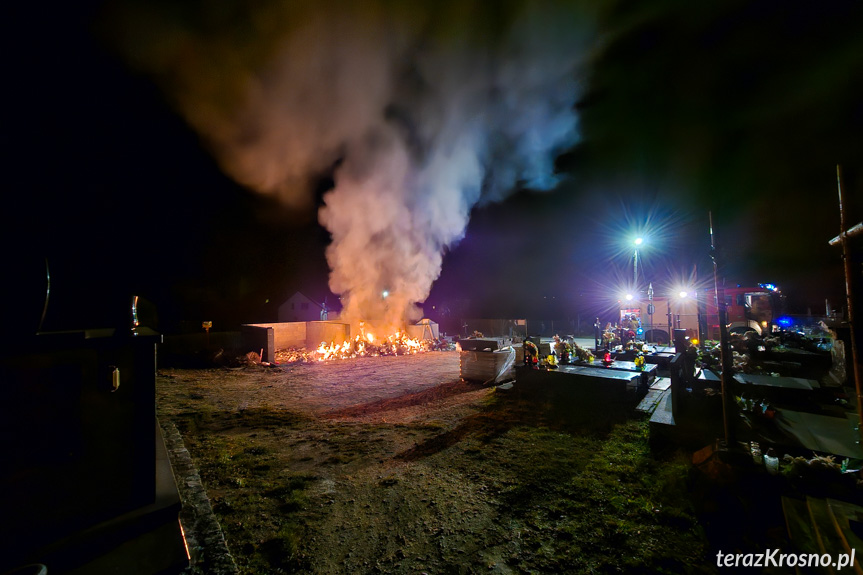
326, 331
307, 334
286, 334
289, 334
204, 535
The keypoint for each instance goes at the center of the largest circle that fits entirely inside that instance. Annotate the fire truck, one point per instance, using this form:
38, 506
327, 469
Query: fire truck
748, 308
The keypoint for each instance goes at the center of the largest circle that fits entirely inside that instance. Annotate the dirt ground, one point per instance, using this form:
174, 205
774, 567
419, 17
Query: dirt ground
395, 465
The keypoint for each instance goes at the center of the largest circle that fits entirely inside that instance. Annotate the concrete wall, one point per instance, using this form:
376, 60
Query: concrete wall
326, 331
289, 334
298, 334
285, 334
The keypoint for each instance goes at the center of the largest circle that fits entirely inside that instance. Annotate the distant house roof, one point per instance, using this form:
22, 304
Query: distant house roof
300, 296
300, 307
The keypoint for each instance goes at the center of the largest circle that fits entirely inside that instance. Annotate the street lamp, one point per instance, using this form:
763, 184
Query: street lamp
650, 311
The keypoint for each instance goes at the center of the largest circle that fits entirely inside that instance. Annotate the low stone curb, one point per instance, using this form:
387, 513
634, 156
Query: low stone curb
204, 535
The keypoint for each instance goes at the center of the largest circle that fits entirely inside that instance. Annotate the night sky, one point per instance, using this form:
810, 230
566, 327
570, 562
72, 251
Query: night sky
742, 108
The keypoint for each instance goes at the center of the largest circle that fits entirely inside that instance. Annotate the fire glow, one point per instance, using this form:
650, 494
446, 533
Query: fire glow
368, 346
363, 345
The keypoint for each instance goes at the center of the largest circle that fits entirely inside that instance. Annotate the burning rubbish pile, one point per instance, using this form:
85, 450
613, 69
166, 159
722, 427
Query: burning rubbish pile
363, 345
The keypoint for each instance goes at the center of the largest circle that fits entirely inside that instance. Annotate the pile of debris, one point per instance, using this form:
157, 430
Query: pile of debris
397, 344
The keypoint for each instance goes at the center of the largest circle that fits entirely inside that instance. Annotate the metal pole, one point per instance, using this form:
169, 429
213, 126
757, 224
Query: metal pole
597, 335
670, 318
724, 348
650, 310
698, 320
850, 300
698, 305
635, 271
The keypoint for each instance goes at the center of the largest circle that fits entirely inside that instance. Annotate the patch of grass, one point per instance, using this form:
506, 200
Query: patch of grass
205, 419
592, 502
389, 480
434, 425
338, 459
566, 496
283, 548
648, 517
262, 511
290, 496
264, 519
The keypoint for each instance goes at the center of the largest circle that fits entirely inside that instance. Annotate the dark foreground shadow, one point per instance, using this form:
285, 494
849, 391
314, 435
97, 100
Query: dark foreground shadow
509, 410
435, 393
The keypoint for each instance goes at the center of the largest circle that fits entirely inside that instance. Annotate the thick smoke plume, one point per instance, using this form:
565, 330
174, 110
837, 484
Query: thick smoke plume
419, 110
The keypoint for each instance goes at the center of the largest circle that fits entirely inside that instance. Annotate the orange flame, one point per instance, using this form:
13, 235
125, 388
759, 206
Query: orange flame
364, 345
396, 344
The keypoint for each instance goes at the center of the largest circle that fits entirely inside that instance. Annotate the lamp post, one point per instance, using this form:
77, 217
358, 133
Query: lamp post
670, 318
637, 242
650, 310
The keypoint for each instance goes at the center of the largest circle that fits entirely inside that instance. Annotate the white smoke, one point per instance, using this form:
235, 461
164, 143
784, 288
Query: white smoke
425, 109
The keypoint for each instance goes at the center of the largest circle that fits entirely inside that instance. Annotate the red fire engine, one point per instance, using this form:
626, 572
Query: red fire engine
749, 309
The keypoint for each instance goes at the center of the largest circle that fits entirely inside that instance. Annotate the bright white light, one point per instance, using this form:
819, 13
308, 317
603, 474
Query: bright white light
385, 294
683, 294
638, 241
629, 297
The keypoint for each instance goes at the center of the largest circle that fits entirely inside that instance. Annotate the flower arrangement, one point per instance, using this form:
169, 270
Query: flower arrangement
563, 350
583, 354
531, 353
